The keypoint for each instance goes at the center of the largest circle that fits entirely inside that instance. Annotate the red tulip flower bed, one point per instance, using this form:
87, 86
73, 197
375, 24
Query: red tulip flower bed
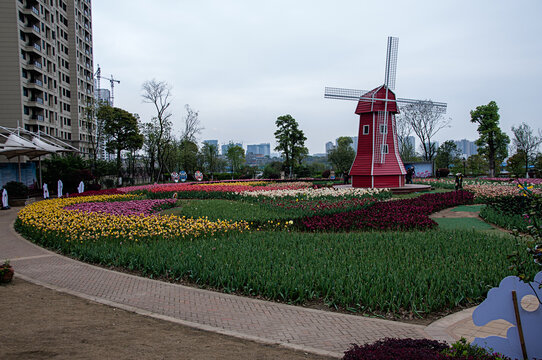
406, 214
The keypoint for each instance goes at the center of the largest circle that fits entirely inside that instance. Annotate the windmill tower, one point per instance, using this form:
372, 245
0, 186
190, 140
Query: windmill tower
377, 163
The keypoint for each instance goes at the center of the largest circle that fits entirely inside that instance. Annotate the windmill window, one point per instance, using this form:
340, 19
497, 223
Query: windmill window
383, 128
384, 149
365, 129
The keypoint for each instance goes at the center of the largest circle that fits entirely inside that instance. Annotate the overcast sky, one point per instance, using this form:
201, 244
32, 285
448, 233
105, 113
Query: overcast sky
243, 63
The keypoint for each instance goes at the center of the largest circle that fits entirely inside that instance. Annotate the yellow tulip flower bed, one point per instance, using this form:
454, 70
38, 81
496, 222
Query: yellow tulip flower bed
51, 217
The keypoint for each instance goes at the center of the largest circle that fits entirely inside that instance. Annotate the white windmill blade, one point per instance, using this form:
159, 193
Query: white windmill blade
440, 105
391, 62
344, 94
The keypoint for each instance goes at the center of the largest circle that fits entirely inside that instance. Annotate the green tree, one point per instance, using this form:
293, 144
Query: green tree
236, 156
527, 143
291, 141
272, 170
343, 155
122, 131
477, 165
188, 156
447, 154
493, 143
209, 154
516, 164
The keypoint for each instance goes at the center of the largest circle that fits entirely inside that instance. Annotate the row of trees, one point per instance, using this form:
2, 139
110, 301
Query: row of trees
426, 121
165, 152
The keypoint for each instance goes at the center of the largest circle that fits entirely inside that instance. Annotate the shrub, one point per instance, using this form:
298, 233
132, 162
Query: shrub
326, 174
16, 189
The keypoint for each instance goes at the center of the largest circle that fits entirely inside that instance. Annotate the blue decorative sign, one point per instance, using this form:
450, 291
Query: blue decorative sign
500, 305
183, 176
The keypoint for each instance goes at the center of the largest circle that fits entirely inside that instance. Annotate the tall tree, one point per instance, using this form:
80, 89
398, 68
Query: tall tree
447, 154
516, 164
236, 156
187, 155
343, 155
209, 153
158, 93
122, 130
192, 125
493, 143
426, 121
407, 151
291, 141
527, 143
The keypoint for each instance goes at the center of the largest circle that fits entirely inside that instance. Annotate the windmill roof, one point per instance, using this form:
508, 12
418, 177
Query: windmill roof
376, 99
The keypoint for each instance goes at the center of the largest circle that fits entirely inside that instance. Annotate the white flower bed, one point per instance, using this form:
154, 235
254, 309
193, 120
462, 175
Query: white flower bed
311, 193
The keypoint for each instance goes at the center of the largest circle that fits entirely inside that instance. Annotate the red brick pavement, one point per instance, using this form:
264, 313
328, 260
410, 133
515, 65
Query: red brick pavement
316, 331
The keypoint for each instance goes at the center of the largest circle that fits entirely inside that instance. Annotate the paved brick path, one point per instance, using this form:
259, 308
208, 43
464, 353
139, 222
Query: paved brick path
310, 330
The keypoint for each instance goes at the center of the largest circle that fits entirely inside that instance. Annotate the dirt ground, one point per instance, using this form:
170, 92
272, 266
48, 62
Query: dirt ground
39, 323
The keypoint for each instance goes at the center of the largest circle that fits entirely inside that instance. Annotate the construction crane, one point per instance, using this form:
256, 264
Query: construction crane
112, 80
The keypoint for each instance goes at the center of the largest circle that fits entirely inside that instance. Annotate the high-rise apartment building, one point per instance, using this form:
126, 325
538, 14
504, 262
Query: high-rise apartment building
259, 149
46, 68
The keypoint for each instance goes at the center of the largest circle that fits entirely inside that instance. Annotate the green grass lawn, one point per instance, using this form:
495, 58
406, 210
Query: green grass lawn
469, 208
217, 209
464, 224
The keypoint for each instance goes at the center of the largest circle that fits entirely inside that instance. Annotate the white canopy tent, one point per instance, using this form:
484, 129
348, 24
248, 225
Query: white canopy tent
20, 142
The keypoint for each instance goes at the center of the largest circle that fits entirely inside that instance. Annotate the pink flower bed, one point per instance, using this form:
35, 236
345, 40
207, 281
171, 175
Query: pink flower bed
132, 207
158, 188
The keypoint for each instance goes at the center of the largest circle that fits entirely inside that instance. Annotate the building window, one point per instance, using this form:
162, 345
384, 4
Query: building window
383, 128
25, 92
365, 129
26, 110
384, 149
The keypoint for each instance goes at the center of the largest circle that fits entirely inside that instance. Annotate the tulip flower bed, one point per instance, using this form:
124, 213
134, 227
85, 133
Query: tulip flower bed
406, 214
213, 243
107, 217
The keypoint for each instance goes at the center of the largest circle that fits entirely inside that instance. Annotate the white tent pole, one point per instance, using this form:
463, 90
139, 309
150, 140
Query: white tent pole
39, 161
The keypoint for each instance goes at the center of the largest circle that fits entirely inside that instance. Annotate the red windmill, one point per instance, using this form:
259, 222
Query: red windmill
377, 163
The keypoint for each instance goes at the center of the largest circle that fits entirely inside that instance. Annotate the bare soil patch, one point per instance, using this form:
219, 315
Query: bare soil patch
39, 323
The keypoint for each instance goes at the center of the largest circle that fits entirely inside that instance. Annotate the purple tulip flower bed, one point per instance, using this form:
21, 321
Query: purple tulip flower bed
406, 214
97, 192
132, 207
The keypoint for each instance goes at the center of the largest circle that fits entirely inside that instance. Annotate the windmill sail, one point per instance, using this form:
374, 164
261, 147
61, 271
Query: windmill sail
391, 62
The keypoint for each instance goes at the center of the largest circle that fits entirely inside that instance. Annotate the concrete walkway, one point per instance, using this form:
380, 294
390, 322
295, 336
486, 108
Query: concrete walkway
310, 330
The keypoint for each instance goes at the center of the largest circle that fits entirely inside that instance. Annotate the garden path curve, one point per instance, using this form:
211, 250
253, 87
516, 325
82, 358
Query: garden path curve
316, 331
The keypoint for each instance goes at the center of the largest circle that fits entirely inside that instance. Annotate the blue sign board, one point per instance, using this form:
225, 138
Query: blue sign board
183, 176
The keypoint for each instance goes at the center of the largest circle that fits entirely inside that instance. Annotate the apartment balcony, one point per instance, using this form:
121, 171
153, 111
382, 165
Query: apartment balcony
35, 29
35, 84
31, 10
33, 48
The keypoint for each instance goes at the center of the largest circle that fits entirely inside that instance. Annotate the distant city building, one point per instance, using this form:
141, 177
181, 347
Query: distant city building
211, 142
259, 149
329, 147
225, 147
466, 147
103, 95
